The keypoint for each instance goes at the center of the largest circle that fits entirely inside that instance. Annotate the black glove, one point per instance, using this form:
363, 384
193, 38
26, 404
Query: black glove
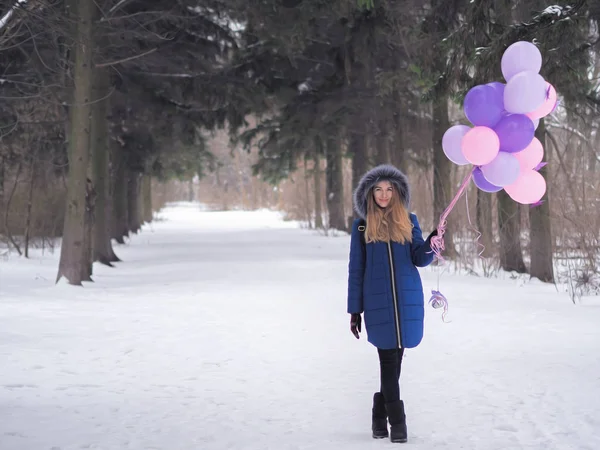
432, 234
355, 324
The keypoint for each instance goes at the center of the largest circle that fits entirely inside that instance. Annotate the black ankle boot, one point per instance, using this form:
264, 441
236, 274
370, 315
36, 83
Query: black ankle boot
379, 425
397, 418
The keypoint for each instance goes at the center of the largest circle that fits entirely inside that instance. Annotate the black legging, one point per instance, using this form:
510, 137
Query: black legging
390, 363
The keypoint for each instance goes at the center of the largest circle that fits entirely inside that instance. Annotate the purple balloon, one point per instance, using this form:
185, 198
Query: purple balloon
482, 183
515, 132
524, 93
504, 170
451, 144
520, 56
499, 91
483, 106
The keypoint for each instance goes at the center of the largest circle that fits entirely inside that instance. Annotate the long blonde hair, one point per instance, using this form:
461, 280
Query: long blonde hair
390, 223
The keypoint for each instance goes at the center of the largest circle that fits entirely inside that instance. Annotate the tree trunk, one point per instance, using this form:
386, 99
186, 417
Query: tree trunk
541, 245
191, 194
90, 215
509, 227
316, 157
254, 201
485, 222
308, 208
2, 178
147, 183
119, 197
73, 256
140, 200
382, 152
397, 151
29, 204
110, 192
594, 153
442, 170
133, 210
7, 210
335, 185
360, 163
102, 248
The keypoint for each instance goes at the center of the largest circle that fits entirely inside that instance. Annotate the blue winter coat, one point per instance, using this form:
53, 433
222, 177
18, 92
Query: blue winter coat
370, 283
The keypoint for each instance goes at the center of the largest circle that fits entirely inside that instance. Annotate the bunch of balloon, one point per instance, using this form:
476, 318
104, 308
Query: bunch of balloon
501, 144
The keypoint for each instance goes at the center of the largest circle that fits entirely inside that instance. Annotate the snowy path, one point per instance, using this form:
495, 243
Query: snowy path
229, 331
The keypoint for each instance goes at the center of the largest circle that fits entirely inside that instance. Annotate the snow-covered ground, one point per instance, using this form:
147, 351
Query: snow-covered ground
228, 330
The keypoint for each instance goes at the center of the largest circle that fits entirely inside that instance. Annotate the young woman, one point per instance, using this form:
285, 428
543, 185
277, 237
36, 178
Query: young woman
386, 248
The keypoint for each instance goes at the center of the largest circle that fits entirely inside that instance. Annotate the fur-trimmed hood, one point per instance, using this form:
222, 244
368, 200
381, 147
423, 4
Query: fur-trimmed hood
384, 172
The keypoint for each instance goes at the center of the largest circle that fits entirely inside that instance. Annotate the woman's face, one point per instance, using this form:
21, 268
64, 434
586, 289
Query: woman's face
382, 192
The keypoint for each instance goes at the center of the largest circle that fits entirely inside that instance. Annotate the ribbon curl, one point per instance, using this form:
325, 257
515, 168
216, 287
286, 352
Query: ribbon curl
438, 300
437, 242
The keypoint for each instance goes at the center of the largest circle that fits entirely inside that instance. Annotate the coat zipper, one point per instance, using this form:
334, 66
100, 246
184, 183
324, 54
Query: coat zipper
396, 312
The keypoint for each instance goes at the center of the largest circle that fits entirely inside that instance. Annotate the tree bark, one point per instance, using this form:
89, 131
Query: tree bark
191, 193
594, 152
307, 205
29, 203
2, 178
382, 152
110, 192
541, 245
73, 261
334, 190
147, 200
140, 200
360, 163
14, 243
509, 227
316, 157
119, 197
102, 247
485, 222
442, 170
133, 209
397, 151
90, 214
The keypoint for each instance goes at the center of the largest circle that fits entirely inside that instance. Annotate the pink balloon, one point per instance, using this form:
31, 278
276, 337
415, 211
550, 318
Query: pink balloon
480, 145
528, 189
531, 156
547, 107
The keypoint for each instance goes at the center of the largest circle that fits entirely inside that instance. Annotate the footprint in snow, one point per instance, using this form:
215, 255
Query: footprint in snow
19, 386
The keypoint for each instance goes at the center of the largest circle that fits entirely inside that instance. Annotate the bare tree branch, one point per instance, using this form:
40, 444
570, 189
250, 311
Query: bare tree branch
126, 59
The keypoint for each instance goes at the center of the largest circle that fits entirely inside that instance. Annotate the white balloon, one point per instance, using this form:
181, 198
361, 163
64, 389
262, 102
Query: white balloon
519, 57
525, 92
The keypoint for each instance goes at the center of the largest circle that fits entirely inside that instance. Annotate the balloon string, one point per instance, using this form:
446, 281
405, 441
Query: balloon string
437, 242
477, 240
438, 300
